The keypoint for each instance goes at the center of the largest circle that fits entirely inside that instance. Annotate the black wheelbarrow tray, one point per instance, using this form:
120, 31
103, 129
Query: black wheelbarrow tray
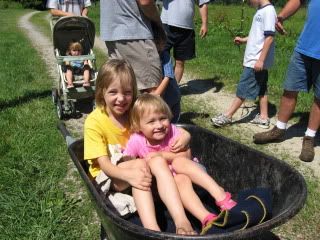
234, 166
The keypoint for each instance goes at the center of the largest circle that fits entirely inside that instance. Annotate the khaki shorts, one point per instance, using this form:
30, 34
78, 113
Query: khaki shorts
143, 57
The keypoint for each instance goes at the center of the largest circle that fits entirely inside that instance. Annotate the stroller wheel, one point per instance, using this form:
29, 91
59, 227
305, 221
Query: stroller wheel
54, 94
72, 108
60, 110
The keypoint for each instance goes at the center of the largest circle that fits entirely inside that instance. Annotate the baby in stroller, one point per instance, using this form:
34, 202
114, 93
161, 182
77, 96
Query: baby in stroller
77, 66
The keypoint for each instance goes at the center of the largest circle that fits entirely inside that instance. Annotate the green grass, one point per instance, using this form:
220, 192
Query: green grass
33, 157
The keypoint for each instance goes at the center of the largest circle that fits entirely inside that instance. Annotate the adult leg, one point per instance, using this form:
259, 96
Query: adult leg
307, 151
287, 105
169, 194
179, 69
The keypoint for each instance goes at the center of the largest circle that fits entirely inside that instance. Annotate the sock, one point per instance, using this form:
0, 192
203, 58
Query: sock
281, 125
310, 133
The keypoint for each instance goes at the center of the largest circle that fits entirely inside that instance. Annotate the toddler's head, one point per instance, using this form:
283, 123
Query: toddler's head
115, 70
145, 106
75, 49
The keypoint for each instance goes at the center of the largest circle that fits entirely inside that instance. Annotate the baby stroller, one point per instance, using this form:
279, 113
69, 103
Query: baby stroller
64, 31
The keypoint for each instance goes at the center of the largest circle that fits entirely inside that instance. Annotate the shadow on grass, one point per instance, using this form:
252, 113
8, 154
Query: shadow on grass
187, 117
249, 112
198, 86
28, 97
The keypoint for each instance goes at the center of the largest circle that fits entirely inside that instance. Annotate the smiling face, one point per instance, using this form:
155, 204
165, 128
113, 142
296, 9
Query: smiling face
118, 98
154, 125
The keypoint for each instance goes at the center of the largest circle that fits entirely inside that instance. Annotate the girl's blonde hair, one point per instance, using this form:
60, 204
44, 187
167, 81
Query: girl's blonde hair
115, 70
146, 103
75, 46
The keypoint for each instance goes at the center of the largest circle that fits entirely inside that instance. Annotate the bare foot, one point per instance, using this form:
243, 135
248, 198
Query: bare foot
185, 229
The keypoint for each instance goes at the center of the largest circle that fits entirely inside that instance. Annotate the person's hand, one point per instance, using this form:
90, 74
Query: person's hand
279, 26
258, 66
203, 30
178, 145
140, 177
238, 40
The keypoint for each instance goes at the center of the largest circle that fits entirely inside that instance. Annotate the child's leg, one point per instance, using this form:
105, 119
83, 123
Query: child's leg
145, 206
69, 77
263, 101
189, 198
199, 177
236, 104
169, 194
86, 77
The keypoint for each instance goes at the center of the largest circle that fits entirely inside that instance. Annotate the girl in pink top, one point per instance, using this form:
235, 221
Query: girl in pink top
152, 140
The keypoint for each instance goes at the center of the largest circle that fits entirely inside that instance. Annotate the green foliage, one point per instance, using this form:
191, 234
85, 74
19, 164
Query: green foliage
34, 202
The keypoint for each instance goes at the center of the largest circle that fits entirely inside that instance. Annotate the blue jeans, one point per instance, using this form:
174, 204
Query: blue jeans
252, 84
303, 73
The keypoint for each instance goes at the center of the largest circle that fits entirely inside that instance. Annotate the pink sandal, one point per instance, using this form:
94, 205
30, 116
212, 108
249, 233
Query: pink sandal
227, 203
209, 219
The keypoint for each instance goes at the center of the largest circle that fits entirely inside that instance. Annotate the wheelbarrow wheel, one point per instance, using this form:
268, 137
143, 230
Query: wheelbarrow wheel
60, 112
54, 95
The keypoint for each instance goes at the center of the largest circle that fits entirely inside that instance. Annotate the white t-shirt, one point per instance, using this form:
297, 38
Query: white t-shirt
263, 24
73, 6
179, 13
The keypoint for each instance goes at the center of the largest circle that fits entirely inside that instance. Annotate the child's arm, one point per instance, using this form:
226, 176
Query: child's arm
240, 40
265, 49
162, 86
203, 10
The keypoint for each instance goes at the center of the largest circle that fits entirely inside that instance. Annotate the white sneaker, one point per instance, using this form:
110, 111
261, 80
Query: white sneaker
263, 123
221, 120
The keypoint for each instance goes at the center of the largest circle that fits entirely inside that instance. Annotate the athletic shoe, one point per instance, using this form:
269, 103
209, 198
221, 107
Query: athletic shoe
307, 151
263, 123
221, 120
273, 135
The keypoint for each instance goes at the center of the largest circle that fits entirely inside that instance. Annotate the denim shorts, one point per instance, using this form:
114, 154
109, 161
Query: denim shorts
303, 73
252, 84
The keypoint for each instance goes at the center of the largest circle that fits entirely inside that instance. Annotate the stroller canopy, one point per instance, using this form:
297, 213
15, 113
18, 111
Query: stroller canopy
73, 29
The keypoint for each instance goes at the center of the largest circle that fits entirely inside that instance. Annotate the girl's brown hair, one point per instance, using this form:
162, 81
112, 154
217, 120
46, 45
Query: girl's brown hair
144, 104
114, 70
75, 46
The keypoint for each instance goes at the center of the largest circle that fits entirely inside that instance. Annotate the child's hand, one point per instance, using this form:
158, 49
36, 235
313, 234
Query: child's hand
258, 66
178, 145
238, 40
140, 177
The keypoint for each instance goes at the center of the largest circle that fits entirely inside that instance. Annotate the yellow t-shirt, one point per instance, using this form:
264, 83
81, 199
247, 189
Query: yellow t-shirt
102, 138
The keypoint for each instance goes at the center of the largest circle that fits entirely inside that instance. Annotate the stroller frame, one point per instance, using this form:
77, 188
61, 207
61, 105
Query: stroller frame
64, 31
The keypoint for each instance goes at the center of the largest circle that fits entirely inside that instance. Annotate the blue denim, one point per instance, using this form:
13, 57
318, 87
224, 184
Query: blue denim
172, 95
303, 73
252, 84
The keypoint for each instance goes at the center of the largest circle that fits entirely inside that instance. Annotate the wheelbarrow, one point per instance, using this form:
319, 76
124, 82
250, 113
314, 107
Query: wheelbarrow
234, 166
